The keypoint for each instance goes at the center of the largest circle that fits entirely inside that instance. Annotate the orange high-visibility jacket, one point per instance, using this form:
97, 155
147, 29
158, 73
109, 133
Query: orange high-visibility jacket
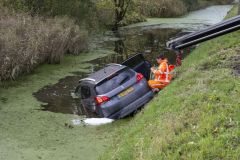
162, 74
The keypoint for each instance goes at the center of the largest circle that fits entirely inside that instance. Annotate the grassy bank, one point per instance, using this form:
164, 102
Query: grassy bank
27, 41
196, 117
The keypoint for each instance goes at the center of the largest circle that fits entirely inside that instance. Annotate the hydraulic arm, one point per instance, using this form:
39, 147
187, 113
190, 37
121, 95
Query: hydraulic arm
209, 33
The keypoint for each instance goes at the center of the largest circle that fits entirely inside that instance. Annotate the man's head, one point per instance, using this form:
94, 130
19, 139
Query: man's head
160, 58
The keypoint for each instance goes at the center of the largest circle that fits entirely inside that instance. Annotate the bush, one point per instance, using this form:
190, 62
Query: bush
73, 8
28, 41
106, 13
82, 11
161, 8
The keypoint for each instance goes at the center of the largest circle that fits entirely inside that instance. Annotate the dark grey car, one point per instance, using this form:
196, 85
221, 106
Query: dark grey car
118, 89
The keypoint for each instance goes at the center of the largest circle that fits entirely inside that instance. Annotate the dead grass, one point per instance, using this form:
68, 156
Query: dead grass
28, 41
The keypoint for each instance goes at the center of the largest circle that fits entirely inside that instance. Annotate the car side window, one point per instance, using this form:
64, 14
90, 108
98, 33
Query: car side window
85, 92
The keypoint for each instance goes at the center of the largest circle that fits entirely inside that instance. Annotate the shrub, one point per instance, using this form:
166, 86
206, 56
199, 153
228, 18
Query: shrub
106, 13
73, 8
162, 8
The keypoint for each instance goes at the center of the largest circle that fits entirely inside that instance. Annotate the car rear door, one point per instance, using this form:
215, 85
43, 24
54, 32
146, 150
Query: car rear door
139, 64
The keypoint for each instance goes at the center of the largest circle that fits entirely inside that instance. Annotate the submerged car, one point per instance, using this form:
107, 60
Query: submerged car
118, 89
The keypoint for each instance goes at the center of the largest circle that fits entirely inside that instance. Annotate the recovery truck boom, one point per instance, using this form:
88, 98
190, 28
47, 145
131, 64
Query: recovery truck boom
209, 33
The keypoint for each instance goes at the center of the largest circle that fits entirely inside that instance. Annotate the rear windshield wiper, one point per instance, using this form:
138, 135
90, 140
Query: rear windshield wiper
123, 80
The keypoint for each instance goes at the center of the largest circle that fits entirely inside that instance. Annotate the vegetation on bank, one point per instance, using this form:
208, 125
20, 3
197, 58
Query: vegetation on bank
93, 14
37, 32
27, 41
197, 116
72, 8
140, 9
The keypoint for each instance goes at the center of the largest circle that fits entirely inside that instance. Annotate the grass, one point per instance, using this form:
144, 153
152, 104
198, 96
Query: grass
196, 117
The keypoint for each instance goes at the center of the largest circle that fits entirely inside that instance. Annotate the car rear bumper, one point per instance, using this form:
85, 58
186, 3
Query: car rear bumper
133, 106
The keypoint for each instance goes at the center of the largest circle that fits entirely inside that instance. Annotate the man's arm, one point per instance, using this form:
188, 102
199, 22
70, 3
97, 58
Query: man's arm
161, 69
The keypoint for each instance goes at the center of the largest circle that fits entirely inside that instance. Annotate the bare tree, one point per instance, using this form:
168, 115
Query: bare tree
121, 7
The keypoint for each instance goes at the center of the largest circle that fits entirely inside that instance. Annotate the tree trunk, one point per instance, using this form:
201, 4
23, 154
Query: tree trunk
121, 7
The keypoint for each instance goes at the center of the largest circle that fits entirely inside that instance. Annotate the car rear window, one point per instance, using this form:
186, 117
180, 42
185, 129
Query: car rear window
114, 81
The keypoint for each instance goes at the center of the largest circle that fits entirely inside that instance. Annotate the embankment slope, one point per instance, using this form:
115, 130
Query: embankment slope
197, 116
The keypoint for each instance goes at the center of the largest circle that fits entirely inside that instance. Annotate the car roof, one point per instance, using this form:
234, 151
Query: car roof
101, 75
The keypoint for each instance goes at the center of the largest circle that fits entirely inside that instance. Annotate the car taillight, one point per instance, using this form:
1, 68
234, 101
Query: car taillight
101, 99
139, 77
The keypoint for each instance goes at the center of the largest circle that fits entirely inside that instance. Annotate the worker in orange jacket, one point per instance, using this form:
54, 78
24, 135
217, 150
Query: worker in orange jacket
162, 76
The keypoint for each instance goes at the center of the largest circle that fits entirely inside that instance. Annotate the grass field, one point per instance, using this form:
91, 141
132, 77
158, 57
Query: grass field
196, 117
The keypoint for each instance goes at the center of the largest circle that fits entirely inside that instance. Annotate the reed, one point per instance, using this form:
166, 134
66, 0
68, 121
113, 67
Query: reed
27, 41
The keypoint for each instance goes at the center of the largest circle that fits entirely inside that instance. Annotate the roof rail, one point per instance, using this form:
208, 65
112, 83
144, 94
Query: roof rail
87, 79
115, 64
